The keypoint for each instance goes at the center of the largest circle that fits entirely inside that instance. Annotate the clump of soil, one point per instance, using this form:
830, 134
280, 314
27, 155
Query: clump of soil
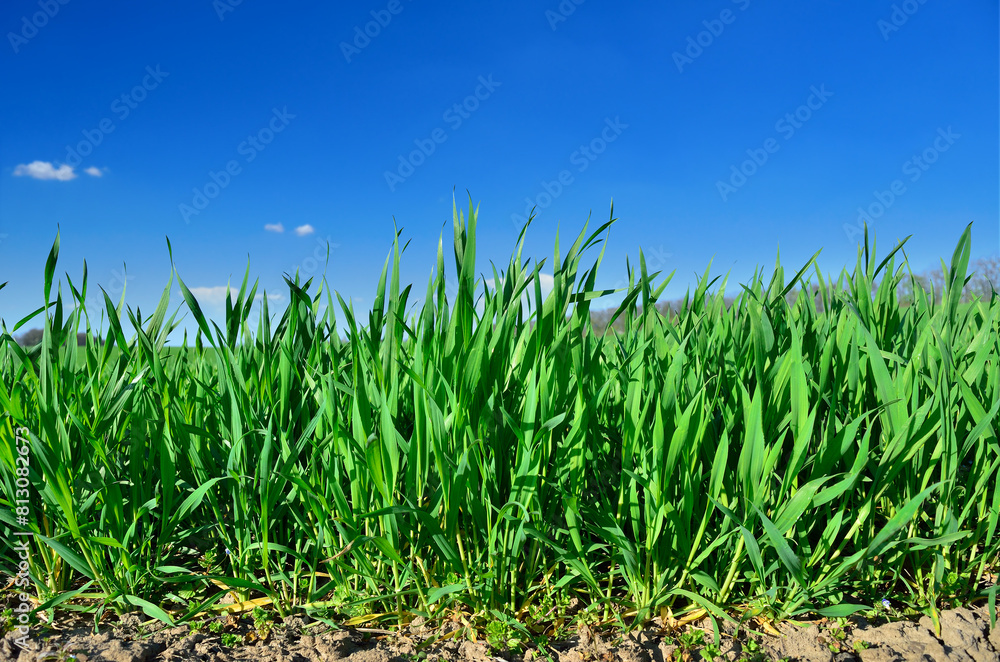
966, 636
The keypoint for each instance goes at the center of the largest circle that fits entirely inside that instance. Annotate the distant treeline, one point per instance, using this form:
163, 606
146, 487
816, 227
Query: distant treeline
984, 280
34, 336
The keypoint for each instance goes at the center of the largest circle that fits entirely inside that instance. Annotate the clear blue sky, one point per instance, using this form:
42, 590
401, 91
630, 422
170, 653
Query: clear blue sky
651, 105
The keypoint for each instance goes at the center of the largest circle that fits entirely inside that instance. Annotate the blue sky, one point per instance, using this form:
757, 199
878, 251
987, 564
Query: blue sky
215, 123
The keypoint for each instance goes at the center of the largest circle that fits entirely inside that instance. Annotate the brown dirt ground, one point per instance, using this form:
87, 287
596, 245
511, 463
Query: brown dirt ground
965, 636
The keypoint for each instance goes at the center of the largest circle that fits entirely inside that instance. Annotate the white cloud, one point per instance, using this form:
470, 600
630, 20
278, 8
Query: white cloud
275, 227
303, 230
214, 296
94, 171
45, 170
545, 282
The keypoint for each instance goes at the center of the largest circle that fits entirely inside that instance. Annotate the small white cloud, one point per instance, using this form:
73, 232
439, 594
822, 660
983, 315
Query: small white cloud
45, 170
275, 227
304, 230
215, 296
94, 171
545, 281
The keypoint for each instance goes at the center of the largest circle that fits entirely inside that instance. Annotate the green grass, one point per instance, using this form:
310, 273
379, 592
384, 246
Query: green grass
766, 457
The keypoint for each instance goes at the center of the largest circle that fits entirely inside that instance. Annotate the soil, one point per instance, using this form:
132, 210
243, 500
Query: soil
966, 636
